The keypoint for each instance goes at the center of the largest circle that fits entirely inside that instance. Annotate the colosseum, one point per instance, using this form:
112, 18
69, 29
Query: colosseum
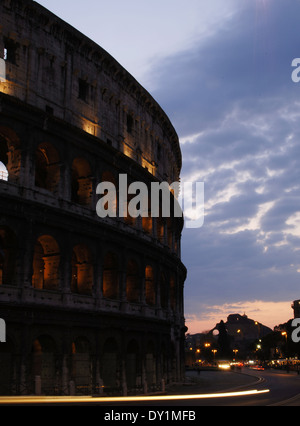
91, 305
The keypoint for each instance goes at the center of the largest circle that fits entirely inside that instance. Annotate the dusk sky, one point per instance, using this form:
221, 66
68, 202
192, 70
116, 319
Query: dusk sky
221, 70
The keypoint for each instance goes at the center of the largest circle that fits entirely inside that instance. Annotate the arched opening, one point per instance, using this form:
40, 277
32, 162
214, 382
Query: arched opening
147, 224
3, 171
173, 293
170, 232
6, 367
81, 365
132, 282
110, 369
160, 224
47, 167
163, 362
46, 259
82, 271
150, 365
82, 182
150, 286
163, 291
10, 155
147, 219
8, 251
111, 277
43, 363
132, 364
3, 160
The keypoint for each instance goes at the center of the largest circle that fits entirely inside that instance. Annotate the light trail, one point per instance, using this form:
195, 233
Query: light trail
105, 400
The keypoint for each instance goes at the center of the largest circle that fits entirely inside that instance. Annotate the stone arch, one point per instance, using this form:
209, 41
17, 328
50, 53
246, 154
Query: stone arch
150, 288
7, 352
132, 364
8, 253
47, 167
10, 154
46, 259
82, 270
110, 364
3, 161
111, 284
43, 362
132, 282
82, 182
163, 291
163, 361
173, 292
81, 364
170, 231
160, 224
150, 364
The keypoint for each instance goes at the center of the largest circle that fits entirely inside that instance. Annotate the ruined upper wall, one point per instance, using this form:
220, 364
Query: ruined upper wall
48, 64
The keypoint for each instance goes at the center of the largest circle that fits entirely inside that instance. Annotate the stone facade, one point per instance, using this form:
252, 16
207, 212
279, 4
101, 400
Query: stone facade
91, 305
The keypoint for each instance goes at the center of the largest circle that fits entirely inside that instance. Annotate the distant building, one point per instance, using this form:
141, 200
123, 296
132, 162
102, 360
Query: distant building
243, 331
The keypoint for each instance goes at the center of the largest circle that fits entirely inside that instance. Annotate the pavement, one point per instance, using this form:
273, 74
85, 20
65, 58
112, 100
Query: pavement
207, 382
212, 381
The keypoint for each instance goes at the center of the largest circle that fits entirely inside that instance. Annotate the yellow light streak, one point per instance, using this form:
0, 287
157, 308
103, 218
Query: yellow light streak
105, 400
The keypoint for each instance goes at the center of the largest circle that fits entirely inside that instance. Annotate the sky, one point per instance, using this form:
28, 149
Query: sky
222, 72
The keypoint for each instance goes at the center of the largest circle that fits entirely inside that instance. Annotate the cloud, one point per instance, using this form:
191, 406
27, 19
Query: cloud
237, 112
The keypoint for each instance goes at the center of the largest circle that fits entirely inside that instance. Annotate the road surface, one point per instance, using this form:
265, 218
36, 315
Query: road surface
268, 388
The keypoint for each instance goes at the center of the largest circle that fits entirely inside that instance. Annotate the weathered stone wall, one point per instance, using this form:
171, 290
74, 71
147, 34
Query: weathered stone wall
81, 294
54, 67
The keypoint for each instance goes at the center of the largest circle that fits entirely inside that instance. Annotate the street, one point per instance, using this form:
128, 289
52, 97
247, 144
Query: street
265, 388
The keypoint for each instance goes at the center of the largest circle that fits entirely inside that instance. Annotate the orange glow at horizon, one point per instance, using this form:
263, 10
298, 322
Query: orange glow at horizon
267, 313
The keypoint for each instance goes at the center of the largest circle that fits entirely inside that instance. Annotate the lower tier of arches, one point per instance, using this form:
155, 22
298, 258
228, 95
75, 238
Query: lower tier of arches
80, 354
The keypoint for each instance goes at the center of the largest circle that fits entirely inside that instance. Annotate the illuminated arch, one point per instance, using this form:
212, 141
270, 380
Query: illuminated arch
163, 291
82, 182
82, 270
10, 155
46, 260
111, 287
47, 167
150, 290
173, 292
132, 282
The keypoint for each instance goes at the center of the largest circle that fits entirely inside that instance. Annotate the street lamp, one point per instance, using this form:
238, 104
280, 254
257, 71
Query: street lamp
235, 352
